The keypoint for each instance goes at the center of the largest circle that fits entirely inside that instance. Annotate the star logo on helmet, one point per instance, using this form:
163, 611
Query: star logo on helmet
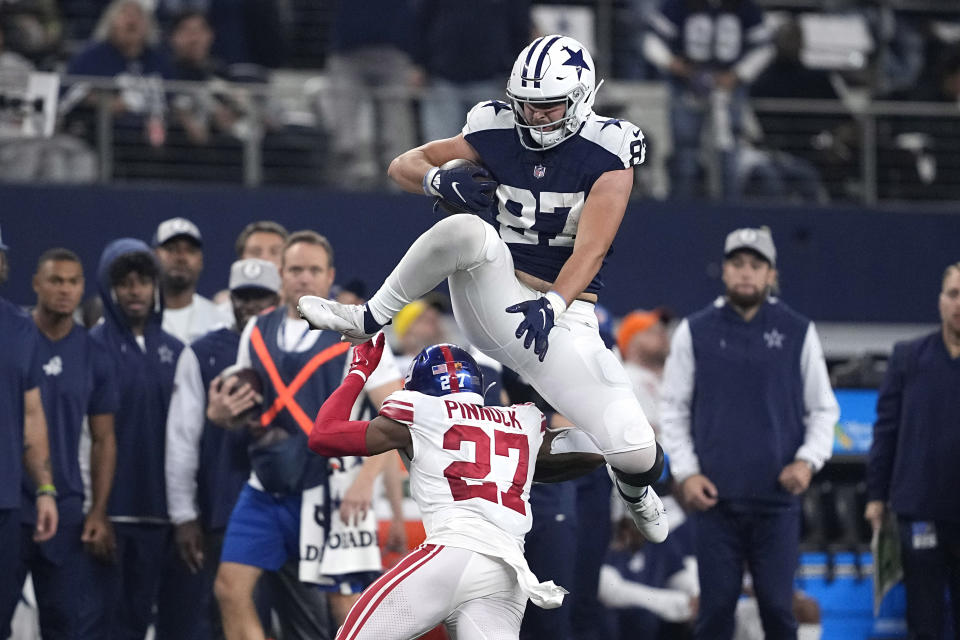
576, 60
614, 122
497, 105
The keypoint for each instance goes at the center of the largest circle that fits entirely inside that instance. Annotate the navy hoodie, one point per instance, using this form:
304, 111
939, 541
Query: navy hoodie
145, 380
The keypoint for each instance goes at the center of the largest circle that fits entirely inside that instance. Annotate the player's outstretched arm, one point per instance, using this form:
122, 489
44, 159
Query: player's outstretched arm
385, 434
558, 467
409, 168
334, 434
602, 213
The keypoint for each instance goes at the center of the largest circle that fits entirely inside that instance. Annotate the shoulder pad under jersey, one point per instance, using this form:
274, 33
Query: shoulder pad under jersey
491, 114
620, 137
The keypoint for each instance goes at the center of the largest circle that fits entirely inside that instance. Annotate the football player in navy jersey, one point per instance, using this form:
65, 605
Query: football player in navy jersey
555, 177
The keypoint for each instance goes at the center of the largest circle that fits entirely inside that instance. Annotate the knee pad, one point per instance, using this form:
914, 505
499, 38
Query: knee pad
645, 478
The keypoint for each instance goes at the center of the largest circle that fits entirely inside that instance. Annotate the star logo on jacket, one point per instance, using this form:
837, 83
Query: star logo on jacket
166, 354
54, 367
612, 122
774, 339
539, 171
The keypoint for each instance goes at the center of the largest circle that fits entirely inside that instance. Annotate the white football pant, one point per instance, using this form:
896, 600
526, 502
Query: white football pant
579, 377
474, 595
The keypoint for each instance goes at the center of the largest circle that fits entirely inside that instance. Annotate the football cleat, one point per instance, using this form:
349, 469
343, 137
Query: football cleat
346, 319
648, 514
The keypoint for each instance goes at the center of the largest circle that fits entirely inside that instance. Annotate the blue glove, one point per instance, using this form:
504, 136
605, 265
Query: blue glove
463, 187
538, 319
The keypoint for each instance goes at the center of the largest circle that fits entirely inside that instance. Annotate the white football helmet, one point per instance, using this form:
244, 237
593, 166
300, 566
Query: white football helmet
552, 69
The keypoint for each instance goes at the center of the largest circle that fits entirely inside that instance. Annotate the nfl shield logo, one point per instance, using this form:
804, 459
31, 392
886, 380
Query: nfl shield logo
539, 171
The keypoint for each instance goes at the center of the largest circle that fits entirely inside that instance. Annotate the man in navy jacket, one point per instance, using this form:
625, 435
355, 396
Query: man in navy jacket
118, 599
23, 443
913, 464
747, 416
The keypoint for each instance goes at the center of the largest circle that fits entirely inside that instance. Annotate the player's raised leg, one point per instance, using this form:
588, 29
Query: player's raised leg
455, 244
583, 380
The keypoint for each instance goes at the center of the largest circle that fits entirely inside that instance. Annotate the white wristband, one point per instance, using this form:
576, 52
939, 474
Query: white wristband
359, 373
428, 182
557, 302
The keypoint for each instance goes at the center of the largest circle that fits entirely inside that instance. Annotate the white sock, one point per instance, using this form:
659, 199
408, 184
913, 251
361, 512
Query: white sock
632, 492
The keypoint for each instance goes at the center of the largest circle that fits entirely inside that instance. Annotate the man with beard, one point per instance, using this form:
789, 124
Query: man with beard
912, 468
187, 315
747, 417
119, 599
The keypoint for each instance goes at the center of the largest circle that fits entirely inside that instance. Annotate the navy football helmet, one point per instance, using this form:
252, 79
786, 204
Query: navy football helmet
443, 369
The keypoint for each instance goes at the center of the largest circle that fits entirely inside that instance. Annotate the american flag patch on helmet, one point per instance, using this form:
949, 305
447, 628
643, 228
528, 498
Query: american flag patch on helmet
442, 368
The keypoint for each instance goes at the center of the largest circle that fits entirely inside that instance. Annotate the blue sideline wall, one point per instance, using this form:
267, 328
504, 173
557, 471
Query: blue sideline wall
836, 264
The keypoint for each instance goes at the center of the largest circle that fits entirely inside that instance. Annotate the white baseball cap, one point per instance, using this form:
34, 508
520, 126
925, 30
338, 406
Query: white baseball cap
254, 273
757, 240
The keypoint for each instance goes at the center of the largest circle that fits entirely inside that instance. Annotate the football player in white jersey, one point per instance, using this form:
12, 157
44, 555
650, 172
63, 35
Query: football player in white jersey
471, 468
562, 177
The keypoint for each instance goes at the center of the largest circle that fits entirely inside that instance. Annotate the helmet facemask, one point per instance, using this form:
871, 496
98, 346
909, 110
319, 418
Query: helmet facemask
550, 71
550, 134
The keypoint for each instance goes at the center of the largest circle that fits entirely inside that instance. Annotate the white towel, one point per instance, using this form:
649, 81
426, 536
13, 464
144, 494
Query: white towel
313, 533
347, 548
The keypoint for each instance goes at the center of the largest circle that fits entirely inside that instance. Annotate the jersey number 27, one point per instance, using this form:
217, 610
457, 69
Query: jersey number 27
503, 442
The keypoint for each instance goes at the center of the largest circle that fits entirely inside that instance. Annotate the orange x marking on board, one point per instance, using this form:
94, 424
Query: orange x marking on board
286, 394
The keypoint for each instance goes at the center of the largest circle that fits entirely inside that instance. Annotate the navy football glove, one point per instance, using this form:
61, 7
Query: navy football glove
538, 318
464, 187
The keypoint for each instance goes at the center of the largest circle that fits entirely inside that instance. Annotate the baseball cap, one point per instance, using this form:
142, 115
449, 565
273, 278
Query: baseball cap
176, 228
3, 247
758, 240
254, 273
637, 322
